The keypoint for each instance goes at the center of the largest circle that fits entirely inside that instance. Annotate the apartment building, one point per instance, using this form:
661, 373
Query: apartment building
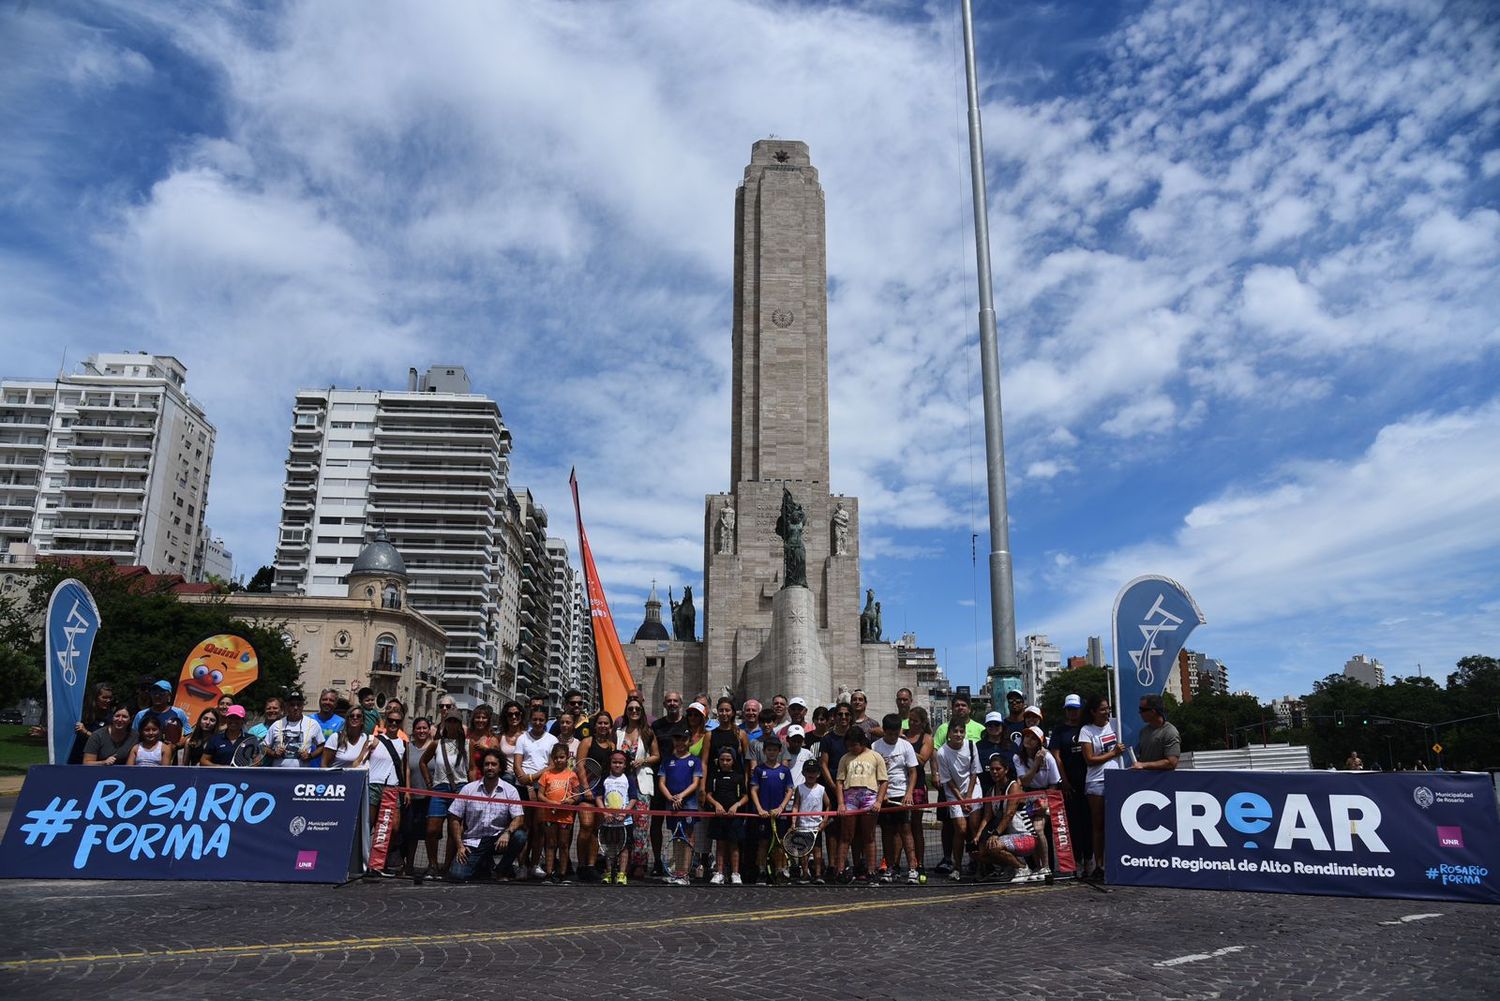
429, 466
111, 461
535, 605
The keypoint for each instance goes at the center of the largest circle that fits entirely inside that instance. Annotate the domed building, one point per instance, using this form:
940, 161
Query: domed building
371, 638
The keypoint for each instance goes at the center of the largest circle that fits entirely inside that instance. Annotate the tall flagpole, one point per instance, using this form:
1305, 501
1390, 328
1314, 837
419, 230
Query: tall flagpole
1002, 592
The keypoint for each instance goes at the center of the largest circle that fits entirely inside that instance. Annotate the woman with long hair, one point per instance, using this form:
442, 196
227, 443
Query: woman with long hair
203, 731
1102, 749
445, 767
481, 737
349, 746
597, 747
919, 733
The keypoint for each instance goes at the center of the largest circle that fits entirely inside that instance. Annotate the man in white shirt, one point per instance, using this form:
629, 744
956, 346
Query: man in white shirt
533, 748
489, 832
294, 741
901, 767
958, 775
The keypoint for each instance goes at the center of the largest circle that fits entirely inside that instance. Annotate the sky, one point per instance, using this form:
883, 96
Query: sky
1246, 261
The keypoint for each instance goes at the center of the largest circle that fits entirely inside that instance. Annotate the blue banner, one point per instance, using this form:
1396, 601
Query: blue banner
1423, 835
1152, 619
275, 825
72, 625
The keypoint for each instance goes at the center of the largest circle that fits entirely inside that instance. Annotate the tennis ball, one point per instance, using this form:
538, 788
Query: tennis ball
922, 879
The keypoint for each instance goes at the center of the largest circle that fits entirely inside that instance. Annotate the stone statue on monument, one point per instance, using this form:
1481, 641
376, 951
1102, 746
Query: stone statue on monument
876, 629
840, 530
867, 618
684, 616
725, 541
789, 526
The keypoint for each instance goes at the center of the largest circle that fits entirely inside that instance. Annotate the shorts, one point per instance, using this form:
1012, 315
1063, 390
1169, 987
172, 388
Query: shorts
1094, 787
437, 806
896, 815
730, 828
958, 810
563, 817
859, 799
1018, 844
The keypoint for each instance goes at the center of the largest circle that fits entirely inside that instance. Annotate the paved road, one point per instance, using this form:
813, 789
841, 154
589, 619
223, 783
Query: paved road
392, 939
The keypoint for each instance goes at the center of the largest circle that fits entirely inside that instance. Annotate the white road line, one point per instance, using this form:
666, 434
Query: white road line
1411, 917
1197, 956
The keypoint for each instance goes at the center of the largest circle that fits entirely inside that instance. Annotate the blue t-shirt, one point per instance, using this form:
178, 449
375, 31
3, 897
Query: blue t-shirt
679, 773
329, 726
220, 749
772, 783
161, 716
755, 734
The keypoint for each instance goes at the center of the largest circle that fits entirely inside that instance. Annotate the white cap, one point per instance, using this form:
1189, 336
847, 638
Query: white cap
1036, 731
797, 700
1073, 702
994, 717
702, 709
1033, 710
795, 731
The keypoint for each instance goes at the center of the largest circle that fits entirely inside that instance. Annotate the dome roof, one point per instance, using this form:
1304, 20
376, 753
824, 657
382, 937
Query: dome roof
651, 630
379, 557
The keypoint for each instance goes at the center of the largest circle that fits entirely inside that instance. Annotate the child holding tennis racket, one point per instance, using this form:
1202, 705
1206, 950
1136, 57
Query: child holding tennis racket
771, 792
616, 792
812, 800
680, 780
559, 785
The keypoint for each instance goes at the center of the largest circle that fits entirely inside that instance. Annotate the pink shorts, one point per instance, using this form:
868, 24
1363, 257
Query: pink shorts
859, 799
1018, 844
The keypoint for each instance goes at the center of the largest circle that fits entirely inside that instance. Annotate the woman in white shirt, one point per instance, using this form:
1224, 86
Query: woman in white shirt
1102, 750
350, 746
445, 766
1035, 768
149, 751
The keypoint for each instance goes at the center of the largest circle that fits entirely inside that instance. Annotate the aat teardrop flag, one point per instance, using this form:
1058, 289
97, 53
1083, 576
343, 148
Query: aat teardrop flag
615, 680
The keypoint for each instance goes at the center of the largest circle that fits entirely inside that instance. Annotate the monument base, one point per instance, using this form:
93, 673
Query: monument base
791, 660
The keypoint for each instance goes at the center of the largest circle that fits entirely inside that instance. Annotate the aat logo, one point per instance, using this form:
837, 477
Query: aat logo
1450, 837
1423, 796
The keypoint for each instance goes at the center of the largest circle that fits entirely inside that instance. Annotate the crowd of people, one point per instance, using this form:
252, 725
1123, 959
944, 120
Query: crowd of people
517, 793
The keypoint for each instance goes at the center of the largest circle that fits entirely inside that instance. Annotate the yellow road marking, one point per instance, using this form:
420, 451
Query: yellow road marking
375, 943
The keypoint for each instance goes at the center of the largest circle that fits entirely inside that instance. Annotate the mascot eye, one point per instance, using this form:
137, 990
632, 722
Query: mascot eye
244, 658
200, 671
217, 676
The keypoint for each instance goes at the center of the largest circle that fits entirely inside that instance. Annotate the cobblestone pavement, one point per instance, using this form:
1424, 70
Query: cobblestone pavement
393, 939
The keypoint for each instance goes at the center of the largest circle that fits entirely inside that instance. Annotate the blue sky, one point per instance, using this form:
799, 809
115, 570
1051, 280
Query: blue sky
1246, 260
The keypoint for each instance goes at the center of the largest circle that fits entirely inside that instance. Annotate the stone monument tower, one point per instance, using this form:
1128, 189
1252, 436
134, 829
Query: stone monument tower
761, 637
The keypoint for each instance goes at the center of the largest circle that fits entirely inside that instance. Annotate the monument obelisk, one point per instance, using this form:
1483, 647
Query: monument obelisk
761, 637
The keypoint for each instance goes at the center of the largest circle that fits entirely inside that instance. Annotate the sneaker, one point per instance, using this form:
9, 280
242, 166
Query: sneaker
679, 881
818, 881
954, 875
734, 879
785, 875
944, 867
554, 879
538, 873
620, 879
717, 879
911, 876
885, 876
764, 880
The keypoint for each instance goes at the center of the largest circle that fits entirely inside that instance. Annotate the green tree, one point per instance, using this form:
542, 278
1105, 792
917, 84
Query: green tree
146, 632
1214, 721
21, 674
1084, 681
262, 581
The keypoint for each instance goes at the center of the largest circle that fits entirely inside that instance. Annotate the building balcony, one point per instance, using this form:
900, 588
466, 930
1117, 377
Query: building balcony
23, 446
388, 667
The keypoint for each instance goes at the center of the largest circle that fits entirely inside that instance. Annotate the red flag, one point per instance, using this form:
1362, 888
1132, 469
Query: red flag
615, 681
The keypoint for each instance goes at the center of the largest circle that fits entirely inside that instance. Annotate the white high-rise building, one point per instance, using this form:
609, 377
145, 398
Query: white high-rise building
1366, 670
586, 675
562, 657
1039, 661
110, 461
216, 560
429, 465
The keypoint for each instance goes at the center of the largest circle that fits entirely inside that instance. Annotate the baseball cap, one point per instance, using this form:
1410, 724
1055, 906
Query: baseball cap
701, 709
798, 701
453, 716
165, 686
235, 711
795, 731
296, 697
1073, 702
1015, 696
994, 717
1034, 710
1036, 732
681, 731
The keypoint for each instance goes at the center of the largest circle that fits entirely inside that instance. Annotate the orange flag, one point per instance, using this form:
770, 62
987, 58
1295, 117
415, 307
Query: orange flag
615, 681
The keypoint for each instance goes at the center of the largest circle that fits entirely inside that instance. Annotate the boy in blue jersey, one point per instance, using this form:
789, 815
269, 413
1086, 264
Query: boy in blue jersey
681, 778
771, 790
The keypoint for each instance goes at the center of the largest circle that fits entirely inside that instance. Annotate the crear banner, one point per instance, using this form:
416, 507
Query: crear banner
72, 626
1422, 835
270, 825
220, 665
1152, 619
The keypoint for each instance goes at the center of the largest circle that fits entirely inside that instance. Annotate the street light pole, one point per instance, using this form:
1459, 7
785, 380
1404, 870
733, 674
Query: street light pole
1002, 593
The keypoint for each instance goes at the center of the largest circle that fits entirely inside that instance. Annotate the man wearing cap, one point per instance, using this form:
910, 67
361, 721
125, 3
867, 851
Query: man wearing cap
1160, 744
295, 740
796, 753
1015, 703
162, 710
796, 710
1068, 753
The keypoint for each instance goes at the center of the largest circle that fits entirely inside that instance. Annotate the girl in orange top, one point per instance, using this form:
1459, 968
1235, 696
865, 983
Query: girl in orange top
558, 784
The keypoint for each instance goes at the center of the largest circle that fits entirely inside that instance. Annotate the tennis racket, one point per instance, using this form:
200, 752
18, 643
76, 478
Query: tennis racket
248, 752
677, 854
613, 833
799, 844
592, 773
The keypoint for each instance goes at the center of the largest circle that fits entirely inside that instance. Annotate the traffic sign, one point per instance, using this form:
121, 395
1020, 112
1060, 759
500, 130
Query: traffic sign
1437, 748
